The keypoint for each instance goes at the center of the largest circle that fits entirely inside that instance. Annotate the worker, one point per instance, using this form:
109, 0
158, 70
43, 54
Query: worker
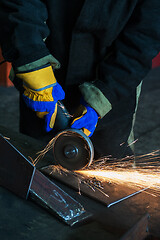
92, 54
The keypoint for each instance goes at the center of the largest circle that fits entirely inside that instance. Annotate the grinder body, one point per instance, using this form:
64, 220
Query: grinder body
72, 149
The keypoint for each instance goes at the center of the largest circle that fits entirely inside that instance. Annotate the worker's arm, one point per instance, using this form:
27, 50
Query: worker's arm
129, 61
23, 33
41, 93
22, 37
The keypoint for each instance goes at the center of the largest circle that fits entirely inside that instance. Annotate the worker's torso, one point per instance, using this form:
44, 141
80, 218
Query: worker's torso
81, 35
83, 30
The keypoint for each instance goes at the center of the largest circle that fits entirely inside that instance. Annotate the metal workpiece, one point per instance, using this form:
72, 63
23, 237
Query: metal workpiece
16, 171
56, 201
21, 177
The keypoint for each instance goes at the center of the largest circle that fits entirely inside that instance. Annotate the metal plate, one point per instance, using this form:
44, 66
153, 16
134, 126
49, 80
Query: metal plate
110, 194
58, 202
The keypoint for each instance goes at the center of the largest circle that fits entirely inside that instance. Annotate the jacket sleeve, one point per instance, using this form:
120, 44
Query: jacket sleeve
131, 57
23, 31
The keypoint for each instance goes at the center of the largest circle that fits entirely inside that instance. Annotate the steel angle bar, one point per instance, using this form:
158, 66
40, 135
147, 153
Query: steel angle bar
21, 177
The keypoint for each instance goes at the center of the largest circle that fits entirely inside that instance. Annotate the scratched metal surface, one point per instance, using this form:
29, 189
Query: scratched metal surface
57, 201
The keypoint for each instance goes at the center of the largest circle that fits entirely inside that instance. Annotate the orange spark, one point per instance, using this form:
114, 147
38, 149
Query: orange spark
130, 177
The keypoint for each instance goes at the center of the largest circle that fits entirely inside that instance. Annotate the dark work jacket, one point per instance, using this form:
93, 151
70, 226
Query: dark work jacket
110, 43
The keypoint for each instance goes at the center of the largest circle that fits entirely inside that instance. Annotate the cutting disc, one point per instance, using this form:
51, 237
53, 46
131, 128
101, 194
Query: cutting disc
73, 149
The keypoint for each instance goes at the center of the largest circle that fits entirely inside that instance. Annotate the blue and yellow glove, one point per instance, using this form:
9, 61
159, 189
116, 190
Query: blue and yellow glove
42, 93
85, 118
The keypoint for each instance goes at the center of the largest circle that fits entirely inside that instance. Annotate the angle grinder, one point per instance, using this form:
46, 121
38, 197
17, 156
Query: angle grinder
72, 149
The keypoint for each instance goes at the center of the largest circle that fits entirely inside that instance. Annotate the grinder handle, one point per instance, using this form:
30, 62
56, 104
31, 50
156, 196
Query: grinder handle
63, 118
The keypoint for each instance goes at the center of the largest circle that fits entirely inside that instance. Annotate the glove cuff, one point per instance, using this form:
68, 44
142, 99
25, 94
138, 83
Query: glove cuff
95, 98
38, 79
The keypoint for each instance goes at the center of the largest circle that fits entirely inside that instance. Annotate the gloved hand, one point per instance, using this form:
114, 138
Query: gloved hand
85, 118
42, 93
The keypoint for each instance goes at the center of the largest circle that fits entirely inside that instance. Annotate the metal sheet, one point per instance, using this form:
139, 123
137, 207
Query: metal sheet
109, 195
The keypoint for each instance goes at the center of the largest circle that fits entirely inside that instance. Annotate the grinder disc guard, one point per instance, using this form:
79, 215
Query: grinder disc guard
73, 149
